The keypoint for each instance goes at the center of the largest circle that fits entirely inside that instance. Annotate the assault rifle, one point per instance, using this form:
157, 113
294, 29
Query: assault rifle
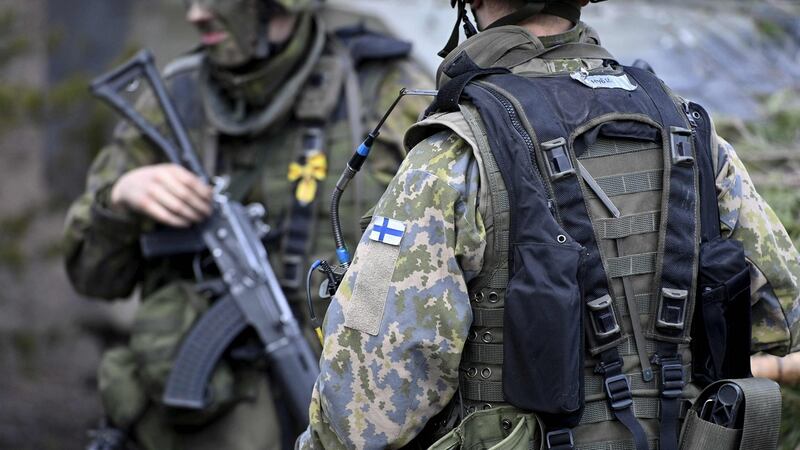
254, 297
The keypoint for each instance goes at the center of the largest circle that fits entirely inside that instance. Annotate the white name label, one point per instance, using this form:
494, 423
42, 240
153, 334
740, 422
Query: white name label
604, 81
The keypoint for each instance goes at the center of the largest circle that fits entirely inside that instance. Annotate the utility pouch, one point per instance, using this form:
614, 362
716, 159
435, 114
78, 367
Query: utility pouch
504, 428
161, 323
752, 416
721, 332
543, 332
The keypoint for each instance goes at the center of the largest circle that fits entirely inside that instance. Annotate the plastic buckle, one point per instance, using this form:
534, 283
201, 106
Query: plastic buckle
681, 145
558, 438
618, 390
558, 162
672, 308
672, 380
604, 321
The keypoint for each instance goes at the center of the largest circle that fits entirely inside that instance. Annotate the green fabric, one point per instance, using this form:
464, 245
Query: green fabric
699, 434
505, 428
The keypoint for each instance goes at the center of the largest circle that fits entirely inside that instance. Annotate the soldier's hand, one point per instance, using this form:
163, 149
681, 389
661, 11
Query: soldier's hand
167, 193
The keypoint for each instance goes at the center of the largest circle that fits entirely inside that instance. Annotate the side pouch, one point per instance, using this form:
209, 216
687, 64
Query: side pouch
121, 392
699, 434
161, 323
543, 332
721, 329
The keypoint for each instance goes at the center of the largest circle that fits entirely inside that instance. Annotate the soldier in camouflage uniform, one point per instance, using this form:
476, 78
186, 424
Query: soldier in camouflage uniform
277, 97
396, 331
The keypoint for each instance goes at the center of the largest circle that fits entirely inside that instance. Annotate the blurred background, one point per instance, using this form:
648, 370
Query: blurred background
739, 58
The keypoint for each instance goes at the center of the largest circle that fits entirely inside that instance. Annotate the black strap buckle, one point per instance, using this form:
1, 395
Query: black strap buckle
292, 276
618, 390
672, 308
681, 146
672, 379
560, 439
558, 162
604, 321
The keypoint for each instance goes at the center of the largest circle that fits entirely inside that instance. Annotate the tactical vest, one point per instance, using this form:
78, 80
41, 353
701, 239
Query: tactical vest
584, 307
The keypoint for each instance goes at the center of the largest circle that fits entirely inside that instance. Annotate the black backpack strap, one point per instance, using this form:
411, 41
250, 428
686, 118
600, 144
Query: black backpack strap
462, 71
709, 207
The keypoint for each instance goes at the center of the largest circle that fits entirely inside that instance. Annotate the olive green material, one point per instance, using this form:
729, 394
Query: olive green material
121, 391
103, 258
503, 428
158, 330
250, 424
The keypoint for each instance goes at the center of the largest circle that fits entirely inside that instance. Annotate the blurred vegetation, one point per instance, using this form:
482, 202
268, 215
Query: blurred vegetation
771, 151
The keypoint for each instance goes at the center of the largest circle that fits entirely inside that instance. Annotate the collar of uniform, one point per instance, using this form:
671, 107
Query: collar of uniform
239, 104
511, 45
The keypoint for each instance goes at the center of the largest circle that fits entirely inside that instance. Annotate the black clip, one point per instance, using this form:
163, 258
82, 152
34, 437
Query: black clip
604, 321
618, 390
558, 162
672, 379
672, 308
681, 145
560, 439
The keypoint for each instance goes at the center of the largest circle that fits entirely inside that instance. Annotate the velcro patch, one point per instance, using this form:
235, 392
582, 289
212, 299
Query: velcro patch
387, 231
374, 265
604, 81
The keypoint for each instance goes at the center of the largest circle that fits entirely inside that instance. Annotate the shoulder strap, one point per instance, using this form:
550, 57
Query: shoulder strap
461, 71
709, 207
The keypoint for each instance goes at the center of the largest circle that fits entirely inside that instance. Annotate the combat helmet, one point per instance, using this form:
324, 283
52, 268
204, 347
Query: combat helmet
568, 9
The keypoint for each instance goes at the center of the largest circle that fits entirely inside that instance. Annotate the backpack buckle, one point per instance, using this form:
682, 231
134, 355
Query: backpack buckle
672, 379
618, 390
672, 308
557, 158
681, 146
560, 439
604, 321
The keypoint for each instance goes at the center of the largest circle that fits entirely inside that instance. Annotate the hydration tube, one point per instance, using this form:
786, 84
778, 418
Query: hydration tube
353, 166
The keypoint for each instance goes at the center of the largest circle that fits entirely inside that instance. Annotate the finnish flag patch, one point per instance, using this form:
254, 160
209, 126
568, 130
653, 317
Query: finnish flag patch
388, 231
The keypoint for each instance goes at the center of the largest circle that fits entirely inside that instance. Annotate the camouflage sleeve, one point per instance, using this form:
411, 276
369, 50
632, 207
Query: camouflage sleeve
101, 245
774, 261
377, 390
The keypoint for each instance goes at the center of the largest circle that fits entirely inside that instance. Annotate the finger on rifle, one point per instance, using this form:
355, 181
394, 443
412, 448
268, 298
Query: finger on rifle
192, 182
174, 204
151, 207
200, 204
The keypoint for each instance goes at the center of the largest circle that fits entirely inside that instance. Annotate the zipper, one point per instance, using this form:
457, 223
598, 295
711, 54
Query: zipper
526, 138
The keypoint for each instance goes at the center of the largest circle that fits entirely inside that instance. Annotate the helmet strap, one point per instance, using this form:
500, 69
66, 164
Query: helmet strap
469, 28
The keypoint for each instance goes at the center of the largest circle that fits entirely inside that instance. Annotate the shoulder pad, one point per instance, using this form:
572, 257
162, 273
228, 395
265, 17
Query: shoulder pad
186, 63
367, 45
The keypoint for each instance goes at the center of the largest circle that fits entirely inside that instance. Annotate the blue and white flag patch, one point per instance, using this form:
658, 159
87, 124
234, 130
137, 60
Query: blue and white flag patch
388, 231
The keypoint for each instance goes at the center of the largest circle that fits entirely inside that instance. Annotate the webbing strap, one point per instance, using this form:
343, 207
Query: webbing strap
615, 445
762, 413
484, 317
625, 226
483, 391
625, 266
632, 183
593, 384
463, 71
609, 147
619, 396
643, 304
598, 411
483, 353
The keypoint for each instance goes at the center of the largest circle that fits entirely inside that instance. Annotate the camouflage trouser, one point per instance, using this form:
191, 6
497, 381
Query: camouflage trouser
503, 428
251, 424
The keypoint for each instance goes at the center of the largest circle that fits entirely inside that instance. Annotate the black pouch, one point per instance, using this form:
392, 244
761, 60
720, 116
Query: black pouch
543, 332
721, 329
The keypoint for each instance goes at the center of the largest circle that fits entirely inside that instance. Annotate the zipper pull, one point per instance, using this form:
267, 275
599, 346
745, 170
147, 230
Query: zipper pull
689, 116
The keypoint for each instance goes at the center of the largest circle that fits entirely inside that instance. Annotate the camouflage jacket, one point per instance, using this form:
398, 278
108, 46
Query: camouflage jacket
103, 257
378, 390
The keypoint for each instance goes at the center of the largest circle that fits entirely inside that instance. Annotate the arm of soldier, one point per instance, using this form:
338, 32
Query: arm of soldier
774, 261
397, 326
389, 147
102, 242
